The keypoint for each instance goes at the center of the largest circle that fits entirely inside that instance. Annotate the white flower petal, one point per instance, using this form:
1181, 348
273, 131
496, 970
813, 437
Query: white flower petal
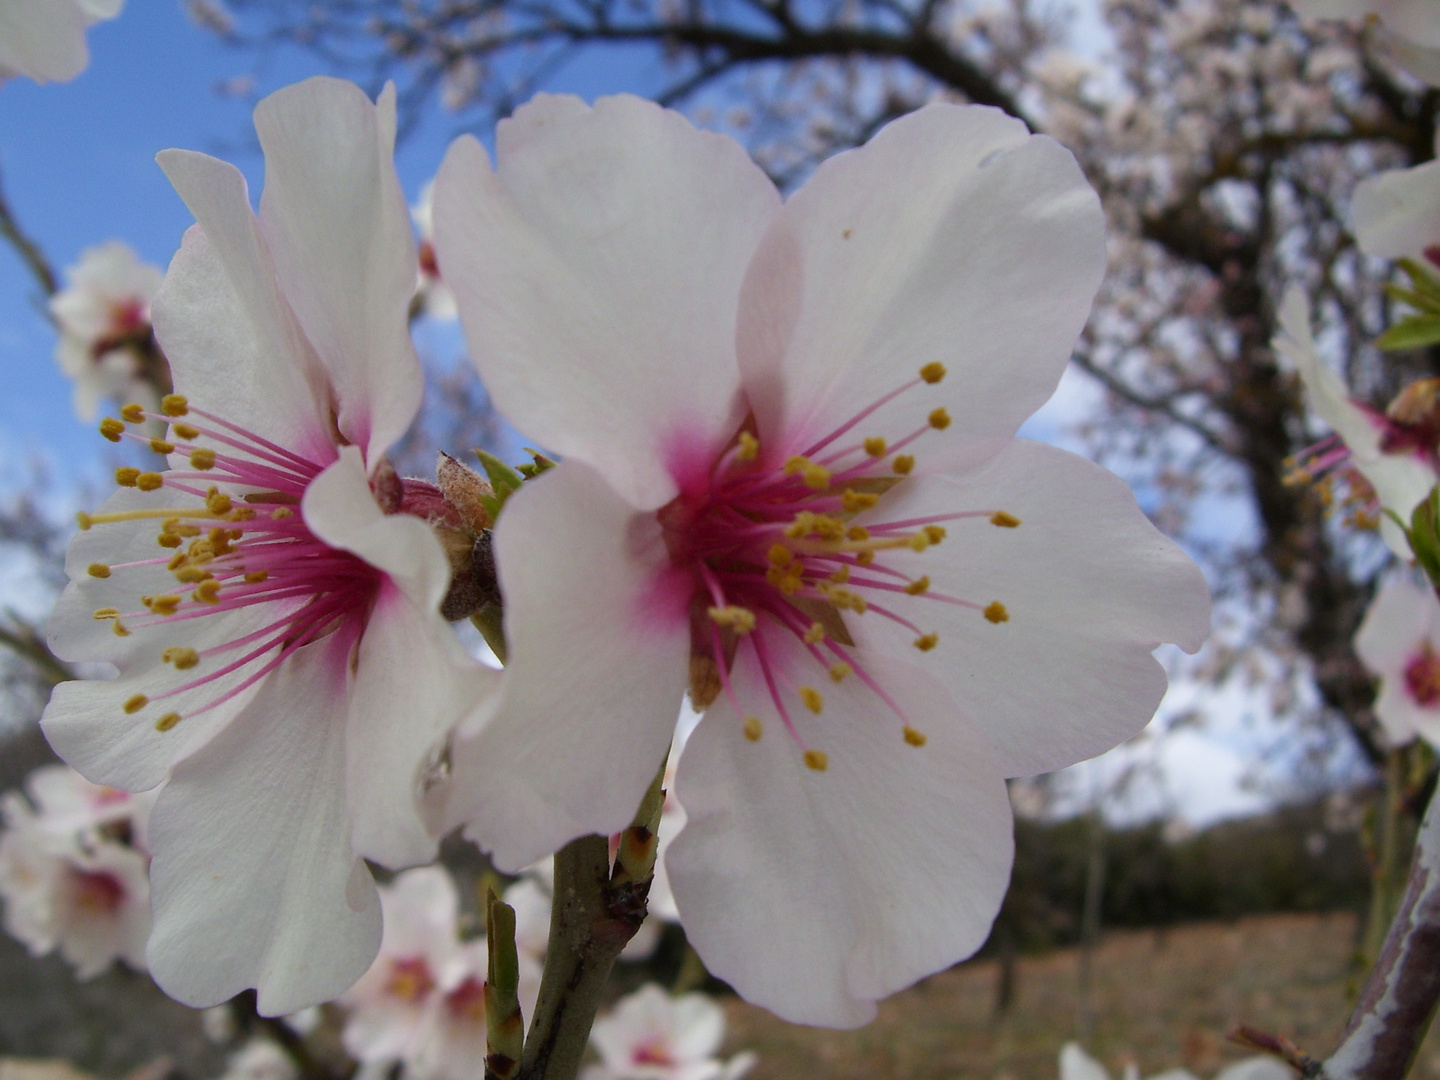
223, 323
254, 881
42, 39
815, 894
1398, 213
1260, 1067
597, 273
1091, 589
413, 681
598, 642
952, 236
1403, 618
339, 232
1075, 1064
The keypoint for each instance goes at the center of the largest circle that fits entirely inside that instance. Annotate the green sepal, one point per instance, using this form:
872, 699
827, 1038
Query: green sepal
1424, 536
1412, 332
1424, 283
503, 479
540, 464
490, 621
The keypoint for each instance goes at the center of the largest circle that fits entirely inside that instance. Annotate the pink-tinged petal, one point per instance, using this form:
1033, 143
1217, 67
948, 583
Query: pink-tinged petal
339, 231
223, 323
340, 509
254, 881
413, 682
1402, 623
1400, 480
42, 39
1398, 213
953, 236
597, 667
1091, 588
815, 894
597, 272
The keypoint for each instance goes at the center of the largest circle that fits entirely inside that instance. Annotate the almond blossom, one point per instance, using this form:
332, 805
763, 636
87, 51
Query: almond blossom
1397, 213
432, 295
1399, 641
73, 874
271, 608
1397, 452
771, 493
106, 347
650, 1035
1076, 1064
45, 39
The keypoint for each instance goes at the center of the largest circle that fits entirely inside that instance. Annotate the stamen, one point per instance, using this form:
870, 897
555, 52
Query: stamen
753, 728
112, 429
812, 699
136, 703
126, 476
939, 419
202, 458
934, 533
933, 372
816, 759
913, 737
918, 587
839, 670
174, 405
133, 413
749, 448
903, 464
926, 642
739, 619
168, 721
185, 431
149, 481
856, 501
160, 446
815, 634
1004, 520
181, 656
875, 447
996, 613
106, 613
99, 570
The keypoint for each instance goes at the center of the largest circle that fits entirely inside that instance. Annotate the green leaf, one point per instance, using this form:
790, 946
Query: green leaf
1423, 281
1413, 332
502, 477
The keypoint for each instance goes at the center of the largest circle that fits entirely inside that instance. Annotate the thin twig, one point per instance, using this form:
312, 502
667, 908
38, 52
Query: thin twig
26, 643
1395, 1008
28, 250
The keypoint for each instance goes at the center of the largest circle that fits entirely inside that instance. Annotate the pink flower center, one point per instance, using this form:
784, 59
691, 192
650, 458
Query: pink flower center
653, 1052
1422, 676
467, 1001
97, 892
410, 980
229, 552
777, 552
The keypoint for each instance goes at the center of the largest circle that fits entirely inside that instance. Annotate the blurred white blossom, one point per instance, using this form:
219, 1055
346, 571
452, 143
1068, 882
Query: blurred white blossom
103, 315
432, 295
650, 1035
45, 39
1399, 641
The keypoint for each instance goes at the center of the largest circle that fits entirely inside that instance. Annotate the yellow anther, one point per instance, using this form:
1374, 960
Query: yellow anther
112, 429
126, 476
106, 613
753, 728
996, 613
795, 464
220, 542
98, 569
934, 533
217, 502
120, 629
828, 528
160, 446
136, 703
185, 431
168, 540
939, 419
149, 481
201, 551
1004, 520
933, 372
913, 737
816, 477
749, 447
202, 458
281, 514
816, 759
902, 464
918, 542
839, 577
168, 721
163, 605
926, 642
857, 532
241, 513
839, 670
801, 525
875, 446
132, 413
181, 656
855, 501
918, 587
84, 520
256, 576
780, 555
176, 527
192, 575
174, 405
865, 558
812, 699
815, 634
178, 561
739, 619
208, 592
